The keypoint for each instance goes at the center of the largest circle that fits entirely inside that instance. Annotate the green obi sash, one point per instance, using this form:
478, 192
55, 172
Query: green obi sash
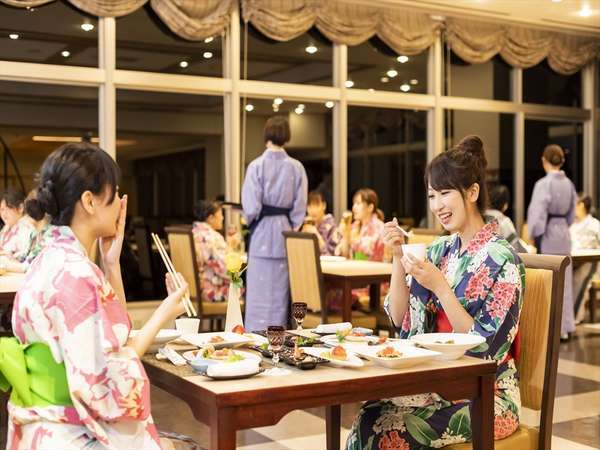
36, 379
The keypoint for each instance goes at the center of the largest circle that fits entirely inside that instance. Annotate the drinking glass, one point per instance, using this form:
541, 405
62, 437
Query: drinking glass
276, 337
299, 313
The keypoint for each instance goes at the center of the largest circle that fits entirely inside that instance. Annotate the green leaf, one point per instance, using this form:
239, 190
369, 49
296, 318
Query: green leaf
369, 443
460, 422
499, 253
487, 326
481, 348
425, 413
502, 350
507, 373
420, 430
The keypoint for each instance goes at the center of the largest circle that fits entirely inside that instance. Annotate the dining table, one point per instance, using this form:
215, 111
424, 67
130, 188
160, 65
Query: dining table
582, 256
230, 405
10, 282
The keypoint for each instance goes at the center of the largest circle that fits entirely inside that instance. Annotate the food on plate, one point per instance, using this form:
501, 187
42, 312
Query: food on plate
337, 352
382, 340
449, 341
264, 346
388, 352
304, 341
225, 354
298, 353
239, 329
216, 339
350, 335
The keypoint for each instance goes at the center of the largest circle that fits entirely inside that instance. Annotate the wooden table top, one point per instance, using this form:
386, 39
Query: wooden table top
356, 268
586, 255
10, 282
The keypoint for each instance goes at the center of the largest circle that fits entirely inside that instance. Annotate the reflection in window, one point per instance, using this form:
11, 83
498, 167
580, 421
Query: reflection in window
387, 152
539, 134
55, 33
311, 143
373, 65
37, 118
305, 60
543, 85
489, 80
145, 43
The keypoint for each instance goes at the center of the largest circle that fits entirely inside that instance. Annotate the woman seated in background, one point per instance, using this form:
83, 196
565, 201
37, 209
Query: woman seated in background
70, 319
485, 298
18, 230
499, 201
364, 238
211, 249
321, 224
585, 234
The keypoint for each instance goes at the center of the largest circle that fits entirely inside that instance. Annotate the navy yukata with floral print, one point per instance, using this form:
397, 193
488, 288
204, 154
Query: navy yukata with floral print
488, 279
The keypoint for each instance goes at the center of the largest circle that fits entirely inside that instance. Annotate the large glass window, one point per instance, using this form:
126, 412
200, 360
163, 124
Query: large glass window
145, 43
543, 85
55, 33
373, 65
489, 80
387, 152
305, 60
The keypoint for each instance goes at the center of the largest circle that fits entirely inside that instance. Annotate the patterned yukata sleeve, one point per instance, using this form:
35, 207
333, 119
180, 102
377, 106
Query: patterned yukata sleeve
370, 242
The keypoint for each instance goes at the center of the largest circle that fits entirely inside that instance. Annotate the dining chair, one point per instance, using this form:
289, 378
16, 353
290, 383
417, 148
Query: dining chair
424, 235
148, 275
306, 281
539, 328
183, 255
594, 298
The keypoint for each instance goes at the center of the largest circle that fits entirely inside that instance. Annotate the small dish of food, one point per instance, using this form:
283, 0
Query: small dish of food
337, 356
450, 345
396, 356
218, 340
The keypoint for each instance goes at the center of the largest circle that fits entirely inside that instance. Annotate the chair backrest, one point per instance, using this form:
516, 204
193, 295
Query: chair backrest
144, 253
304, 267
423, 235
183, 255
539, 329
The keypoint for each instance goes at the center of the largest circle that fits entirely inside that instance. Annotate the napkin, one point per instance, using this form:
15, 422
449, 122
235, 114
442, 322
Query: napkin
331, 328
246, 367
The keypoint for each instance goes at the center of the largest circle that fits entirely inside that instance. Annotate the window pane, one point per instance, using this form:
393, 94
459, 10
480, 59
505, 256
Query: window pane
145, 43
37, 118
541, 84
489, 80
306, 59
387, 152
373, 65
55, 33
539, 134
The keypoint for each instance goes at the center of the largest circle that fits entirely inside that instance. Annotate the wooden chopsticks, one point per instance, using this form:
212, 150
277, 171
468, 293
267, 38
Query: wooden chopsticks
187, 303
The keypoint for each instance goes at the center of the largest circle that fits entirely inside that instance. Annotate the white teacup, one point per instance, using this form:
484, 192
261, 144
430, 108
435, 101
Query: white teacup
187, 325
419, 251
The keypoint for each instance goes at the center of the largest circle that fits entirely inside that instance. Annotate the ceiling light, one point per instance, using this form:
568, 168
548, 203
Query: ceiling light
384, 79
13, 36
249, 107
275, 108
299, 110
556, 1
65, 53
329, 104
311, 49
585, 11
278, 101
402, 59
30, 9
405, 87
349, 83
392, 73
208, 40
87, 26
183, 64
207, 55
371, 90
301, 106
414, 81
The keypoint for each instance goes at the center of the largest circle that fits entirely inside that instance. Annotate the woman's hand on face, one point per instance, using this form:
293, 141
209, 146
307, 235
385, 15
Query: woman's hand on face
110, 247
427, 275
393, 237
172, 306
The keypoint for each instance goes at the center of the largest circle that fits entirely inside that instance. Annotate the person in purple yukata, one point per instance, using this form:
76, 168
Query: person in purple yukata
551, 212
274, 200
321, 224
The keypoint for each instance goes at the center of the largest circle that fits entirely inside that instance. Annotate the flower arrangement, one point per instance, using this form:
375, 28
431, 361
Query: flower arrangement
233, 264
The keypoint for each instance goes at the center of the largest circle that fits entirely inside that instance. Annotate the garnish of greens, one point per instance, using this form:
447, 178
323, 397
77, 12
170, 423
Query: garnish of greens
264, 346
304, 341
235, 357
340, 335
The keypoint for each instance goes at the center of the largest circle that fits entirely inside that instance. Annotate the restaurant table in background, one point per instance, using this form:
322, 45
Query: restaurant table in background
9, 285
228, 406
350, 274
584, 256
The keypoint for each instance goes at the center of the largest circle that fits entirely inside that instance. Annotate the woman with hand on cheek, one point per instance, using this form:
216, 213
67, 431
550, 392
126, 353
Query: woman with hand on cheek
471, 282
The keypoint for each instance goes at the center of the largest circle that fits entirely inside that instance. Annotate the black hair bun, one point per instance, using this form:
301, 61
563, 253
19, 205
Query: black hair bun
46, 199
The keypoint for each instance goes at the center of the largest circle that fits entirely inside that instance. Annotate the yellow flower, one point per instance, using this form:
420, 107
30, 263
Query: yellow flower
233, 262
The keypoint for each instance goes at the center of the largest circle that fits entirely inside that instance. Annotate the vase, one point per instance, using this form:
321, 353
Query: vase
234, 308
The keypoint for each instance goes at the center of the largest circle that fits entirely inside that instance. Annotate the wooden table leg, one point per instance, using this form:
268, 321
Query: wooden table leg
482, 415
222, 430
347, 302
333, 426
374, 296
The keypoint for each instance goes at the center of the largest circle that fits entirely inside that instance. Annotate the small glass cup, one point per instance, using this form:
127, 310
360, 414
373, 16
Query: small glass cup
276, 337
299, 313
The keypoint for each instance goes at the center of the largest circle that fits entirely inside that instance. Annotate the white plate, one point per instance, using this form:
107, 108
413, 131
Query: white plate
410, 355
352, 361
230, 339
332, 341
192, 354
162, 337
332, 258
257, 339
435, 342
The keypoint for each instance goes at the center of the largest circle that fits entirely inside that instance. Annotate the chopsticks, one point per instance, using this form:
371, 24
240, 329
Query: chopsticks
187, 303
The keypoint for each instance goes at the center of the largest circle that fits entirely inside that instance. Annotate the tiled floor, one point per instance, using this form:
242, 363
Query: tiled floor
576, 412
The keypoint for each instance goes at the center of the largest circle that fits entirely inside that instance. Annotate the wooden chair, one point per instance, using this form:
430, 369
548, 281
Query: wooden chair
183, 255
424, 235
144, 254
540, 340
594, 298
306, 281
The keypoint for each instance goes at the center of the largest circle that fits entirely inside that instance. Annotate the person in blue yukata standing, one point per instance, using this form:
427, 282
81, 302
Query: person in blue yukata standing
274, 200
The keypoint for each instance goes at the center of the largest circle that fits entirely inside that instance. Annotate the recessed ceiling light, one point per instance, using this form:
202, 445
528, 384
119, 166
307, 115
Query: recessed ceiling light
349, 83
208, 40
405, 87
392, 73
311, 49
402, 59
207, 55
87, 26
30, 9
384, 79
301, 106
275, 108
65, 53
329, 104
13, 36
299, 110
278, 101
183, 64
414, 81
249, 107
585, 11
371, 90
556, 1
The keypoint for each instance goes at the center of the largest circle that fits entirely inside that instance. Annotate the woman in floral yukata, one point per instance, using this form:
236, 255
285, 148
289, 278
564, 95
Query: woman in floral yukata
70, 318
321, 224
471, 282
18, 230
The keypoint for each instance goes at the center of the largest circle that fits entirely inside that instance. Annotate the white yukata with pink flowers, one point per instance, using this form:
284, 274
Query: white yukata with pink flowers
67, 303
16, 240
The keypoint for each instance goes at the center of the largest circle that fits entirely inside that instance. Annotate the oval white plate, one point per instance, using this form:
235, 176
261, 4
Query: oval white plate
410, 355
352, 361
435, 342
191, 355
